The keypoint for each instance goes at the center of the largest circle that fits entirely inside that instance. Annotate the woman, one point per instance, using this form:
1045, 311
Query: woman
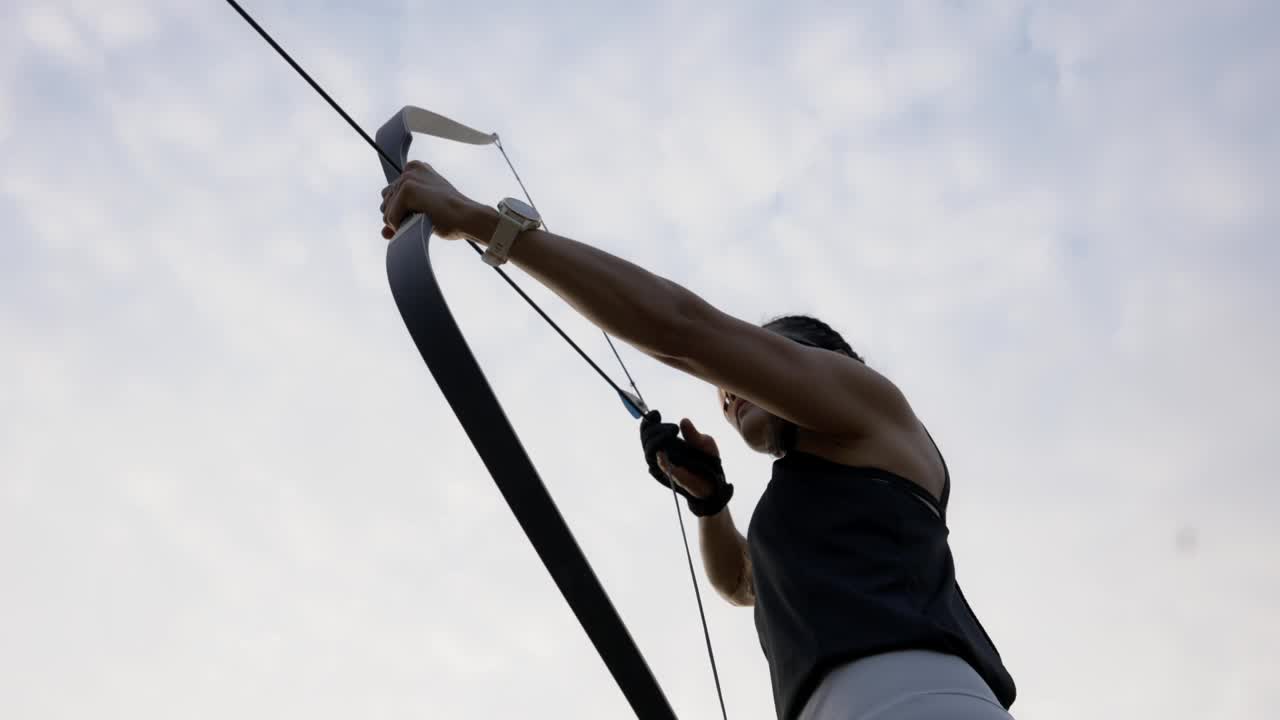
846, 558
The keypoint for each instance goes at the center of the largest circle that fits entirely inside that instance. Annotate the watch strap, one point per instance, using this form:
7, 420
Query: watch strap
504, 236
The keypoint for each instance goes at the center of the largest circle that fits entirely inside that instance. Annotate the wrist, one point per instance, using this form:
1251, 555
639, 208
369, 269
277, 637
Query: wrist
718, 518
713, 505
480, 222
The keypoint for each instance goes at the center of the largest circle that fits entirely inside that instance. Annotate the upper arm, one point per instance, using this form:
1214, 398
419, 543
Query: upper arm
817, 389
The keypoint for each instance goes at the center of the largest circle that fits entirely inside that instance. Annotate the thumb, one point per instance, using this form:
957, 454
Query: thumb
705, 443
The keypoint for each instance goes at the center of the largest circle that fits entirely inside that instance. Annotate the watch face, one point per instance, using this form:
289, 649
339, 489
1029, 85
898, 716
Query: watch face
521, 208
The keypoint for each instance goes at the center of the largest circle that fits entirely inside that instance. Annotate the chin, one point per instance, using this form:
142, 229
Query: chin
757, 430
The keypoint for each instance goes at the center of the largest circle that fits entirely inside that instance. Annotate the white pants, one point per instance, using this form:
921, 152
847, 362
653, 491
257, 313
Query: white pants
904, 685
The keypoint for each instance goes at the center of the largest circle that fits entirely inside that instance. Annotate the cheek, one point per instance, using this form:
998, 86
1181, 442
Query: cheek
755, 423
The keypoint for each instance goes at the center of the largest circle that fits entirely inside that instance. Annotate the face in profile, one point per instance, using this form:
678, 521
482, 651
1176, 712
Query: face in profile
761, 430
758, 428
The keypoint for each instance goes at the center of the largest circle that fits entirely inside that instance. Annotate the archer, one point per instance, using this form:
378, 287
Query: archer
846, 559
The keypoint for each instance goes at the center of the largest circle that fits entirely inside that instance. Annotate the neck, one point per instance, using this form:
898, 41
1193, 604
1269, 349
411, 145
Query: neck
815, 443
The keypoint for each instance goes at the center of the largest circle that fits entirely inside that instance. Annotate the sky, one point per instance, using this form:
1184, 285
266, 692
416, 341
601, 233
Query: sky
229, 487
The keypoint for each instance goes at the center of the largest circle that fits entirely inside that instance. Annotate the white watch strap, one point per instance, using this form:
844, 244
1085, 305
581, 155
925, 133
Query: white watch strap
503, 238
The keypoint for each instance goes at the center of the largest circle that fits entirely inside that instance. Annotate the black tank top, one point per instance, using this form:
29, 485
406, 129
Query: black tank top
850, 562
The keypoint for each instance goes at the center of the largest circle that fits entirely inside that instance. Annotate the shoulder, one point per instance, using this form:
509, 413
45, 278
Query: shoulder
814, 388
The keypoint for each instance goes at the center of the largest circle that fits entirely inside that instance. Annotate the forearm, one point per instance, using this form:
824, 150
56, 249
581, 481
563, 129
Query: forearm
725, 558
621, 298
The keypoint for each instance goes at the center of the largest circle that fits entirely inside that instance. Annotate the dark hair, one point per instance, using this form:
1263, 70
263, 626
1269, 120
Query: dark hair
813, 332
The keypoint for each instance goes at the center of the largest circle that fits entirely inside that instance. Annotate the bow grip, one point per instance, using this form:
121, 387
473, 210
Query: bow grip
394, 139
396, 135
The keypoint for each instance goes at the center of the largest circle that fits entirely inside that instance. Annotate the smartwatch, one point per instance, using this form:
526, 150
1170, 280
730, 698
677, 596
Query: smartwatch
514, 217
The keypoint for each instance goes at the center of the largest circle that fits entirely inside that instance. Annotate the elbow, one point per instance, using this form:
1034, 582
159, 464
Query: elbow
740, 590
734, 598
743, 597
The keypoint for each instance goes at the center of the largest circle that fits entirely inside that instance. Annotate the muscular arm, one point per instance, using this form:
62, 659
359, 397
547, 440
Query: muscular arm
619, 297
725, 559
813, 388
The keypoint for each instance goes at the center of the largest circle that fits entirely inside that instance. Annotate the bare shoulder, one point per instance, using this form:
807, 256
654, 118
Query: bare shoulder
901, 446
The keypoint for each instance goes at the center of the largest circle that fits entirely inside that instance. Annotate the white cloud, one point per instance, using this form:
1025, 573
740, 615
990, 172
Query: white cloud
50, 30
227, 484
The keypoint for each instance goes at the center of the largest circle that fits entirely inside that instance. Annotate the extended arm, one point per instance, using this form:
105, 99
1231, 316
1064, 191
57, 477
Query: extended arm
813, 388
633, 304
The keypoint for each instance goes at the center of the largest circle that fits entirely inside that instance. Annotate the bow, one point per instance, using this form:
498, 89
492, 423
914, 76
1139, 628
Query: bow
445, 351
426, 315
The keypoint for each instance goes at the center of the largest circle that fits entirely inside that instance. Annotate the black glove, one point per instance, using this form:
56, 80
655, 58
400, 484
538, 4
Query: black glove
657, 436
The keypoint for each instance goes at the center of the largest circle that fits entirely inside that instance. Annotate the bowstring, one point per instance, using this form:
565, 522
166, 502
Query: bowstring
706, 632
693, 577
498, 142
396, 164
684, 536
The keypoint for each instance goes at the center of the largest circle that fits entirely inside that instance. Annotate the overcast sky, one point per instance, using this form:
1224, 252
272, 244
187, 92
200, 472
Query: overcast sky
230, 488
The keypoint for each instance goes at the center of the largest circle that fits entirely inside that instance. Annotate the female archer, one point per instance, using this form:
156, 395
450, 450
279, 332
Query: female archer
846, 559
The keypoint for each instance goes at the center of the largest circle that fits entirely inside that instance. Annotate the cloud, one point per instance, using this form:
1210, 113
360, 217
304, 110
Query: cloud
228, 484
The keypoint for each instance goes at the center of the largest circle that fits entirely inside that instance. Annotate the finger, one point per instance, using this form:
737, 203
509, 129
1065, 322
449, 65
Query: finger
396, 206
693, 483
390, 190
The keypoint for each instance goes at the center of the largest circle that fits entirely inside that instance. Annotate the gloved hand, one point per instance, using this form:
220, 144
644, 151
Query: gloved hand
693, 462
